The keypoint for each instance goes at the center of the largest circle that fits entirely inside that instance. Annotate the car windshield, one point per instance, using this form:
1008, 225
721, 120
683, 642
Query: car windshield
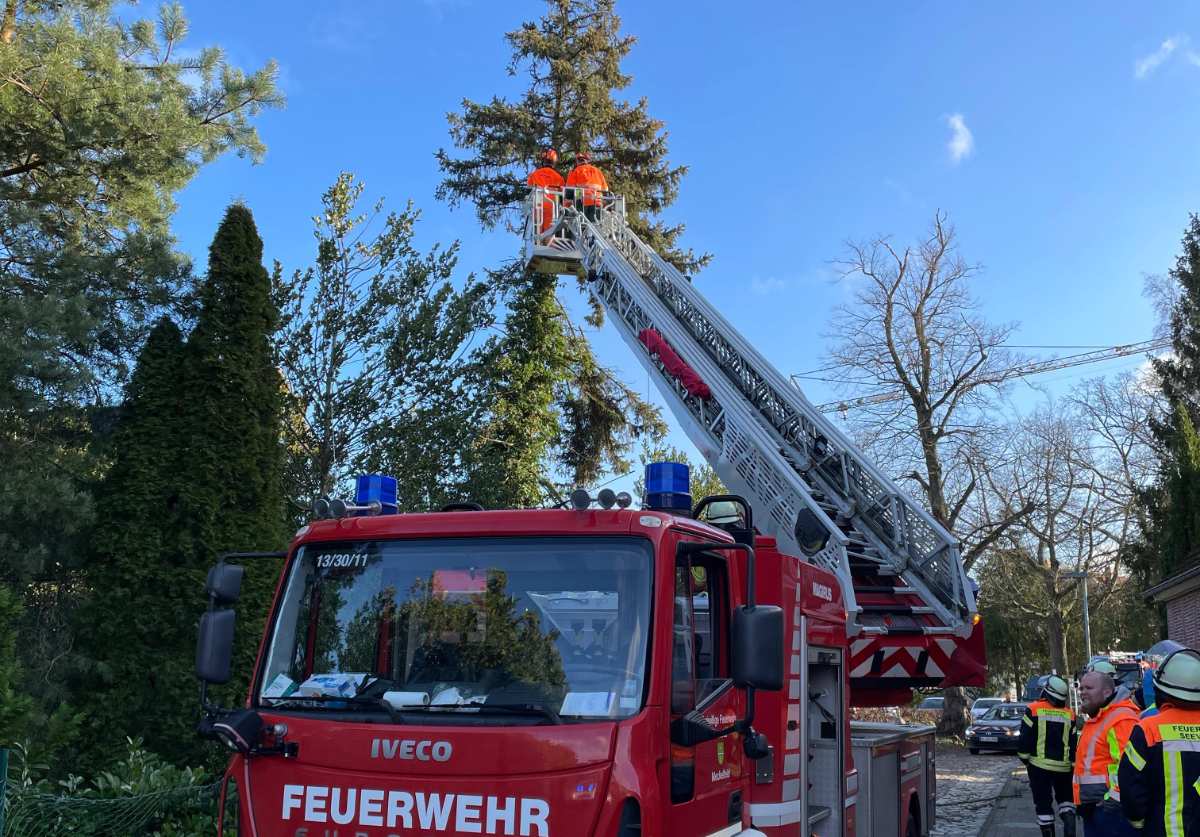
984, 703
1004, 713
458, 625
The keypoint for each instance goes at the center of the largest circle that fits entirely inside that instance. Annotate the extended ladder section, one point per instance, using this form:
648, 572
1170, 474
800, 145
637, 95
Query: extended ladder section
810, 487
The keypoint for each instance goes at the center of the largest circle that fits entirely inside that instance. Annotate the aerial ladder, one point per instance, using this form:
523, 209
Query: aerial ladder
910, 606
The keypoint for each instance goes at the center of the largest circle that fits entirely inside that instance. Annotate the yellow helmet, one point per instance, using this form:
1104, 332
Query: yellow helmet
1178, 676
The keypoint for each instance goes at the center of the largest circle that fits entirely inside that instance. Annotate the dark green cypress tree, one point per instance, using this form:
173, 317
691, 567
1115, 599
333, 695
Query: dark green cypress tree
139, 622
573, 413
1172, 505
233, 455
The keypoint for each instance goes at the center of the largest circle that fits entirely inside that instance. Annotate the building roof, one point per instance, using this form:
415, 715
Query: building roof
1175, 586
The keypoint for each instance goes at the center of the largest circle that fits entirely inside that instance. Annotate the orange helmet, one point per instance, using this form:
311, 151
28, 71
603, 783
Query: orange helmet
549, 156
582, 157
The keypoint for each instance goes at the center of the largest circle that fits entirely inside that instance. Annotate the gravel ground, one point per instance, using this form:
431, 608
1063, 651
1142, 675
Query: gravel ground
967, 786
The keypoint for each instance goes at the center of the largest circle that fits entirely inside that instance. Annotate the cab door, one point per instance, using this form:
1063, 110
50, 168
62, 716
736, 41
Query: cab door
706, 778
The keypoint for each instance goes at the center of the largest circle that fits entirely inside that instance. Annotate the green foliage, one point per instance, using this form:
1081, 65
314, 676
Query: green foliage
1171, 505
136, 550
100, 124
139, 794
373, 352
196, 473
575, 414
521, 372
15, 708
230, 476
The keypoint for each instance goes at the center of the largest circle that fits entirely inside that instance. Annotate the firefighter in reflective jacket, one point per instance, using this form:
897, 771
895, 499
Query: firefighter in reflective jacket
589, 185
1101, 742
1160, 771
548, 177
1047, 747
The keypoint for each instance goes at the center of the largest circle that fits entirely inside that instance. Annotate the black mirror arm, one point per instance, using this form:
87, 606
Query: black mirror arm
726, 498
692, 547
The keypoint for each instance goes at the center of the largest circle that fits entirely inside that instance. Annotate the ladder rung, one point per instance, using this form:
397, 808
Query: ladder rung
883, 589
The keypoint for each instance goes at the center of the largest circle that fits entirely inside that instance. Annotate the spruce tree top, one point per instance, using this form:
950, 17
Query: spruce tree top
572, 56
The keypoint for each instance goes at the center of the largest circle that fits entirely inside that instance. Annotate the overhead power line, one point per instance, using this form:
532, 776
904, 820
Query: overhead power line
1020, 370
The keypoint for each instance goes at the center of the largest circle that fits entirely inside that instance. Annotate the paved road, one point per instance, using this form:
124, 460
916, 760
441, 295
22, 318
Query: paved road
968, 786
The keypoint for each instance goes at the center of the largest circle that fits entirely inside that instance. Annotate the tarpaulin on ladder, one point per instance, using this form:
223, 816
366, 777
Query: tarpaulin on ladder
674, 364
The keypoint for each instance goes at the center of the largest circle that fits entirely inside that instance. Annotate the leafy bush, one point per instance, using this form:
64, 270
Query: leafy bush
141, 794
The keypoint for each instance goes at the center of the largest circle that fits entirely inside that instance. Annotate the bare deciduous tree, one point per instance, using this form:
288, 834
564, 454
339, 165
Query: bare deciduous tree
1079, 463
915, 339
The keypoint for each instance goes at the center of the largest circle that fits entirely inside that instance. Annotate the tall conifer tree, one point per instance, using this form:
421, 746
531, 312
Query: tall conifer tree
143, 595
1173, 504
232, 470
569, 409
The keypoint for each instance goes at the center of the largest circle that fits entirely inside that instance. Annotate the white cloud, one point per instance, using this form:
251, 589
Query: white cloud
770, 285
961, 143
1147, 64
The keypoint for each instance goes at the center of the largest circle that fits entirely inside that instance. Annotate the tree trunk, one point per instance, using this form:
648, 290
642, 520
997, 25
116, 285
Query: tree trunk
1018, 680
8, 28
1058, 644
956, 714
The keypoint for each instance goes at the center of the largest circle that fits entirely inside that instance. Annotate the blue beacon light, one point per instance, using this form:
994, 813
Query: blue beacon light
668, 487
376, 488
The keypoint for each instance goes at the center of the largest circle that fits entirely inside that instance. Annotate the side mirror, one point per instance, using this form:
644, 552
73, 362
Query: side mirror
757, 648
214, 648
224, 584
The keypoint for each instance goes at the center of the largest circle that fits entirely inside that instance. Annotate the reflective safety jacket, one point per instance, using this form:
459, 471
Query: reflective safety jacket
1048, 737
1160, 774
548, 178
545, 176
591, 182
1101, 743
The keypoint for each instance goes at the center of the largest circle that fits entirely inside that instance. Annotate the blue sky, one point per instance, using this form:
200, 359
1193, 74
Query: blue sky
804, 125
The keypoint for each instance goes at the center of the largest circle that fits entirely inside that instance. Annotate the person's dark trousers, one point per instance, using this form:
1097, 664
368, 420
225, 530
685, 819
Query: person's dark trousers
1049, 787
1106, 820
592, 212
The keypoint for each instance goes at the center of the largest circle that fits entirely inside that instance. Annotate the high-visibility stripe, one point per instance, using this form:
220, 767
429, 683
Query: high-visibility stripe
1174, 745
1135, 758
1114, 761
1061, 718
1094, 766
1173, 784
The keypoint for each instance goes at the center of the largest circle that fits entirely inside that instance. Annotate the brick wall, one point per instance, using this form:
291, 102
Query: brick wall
1183, 619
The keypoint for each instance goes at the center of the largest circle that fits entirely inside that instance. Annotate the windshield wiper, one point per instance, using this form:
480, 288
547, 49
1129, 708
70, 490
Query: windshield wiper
355, 700
525, 709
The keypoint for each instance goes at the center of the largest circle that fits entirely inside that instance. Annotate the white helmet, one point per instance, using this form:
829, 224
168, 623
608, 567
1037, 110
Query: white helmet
1055, 688
1178, 676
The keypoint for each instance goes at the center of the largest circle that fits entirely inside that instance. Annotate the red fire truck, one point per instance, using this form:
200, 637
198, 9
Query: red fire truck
604, 670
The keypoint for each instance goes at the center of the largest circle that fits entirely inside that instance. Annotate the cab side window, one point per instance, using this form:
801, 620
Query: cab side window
700, 656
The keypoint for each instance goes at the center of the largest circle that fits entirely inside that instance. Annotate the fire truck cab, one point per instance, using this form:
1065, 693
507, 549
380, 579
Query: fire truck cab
607, 671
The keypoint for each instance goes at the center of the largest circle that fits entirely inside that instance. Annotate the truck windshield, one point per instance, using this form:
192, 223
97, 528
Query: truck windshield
458, 625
